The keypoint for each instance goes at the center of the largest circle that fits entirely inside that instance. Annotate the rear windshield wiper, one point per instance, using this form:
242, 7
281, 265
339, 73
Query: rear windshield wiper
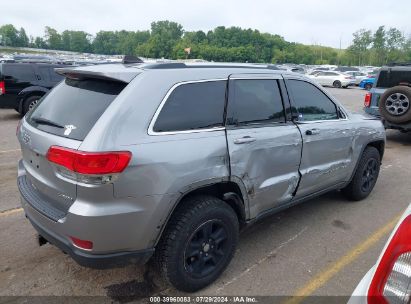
45, 121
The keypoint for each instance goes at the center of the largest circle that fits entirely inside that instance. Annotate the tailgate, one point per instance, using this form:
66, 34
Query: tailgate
41, 180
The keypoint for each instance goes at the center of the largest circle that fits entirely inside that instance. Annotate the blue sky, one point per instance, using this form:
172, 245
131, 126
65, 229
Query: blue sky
307, 21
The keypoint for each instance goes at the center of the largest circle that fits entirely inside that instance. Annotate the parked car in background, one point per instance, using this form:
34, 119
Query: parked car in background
97, 178
314, 72
346, 69
389, 280
390, 97
358, 76
367, 83
332, 78
23, 84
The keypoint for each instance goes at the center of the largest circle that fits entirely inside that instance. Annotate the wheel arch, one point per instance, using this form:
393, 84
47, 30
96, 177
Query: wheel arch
379, 144
231, 192
28, 92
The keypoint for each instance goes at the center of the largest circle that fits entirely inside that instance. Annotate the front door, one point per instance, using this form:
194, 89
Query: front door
327, 138
264, 148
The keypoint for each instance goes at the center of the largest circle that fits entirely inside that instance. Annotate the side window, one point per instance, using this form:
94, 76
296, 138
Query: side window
22, 72
44, 73
310, 102
193, 106
255, 101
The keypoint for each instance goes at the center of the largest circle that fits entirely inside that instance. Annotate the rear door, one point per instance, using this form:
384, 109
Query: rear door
264, 147
63, 118
327, 138
329, 78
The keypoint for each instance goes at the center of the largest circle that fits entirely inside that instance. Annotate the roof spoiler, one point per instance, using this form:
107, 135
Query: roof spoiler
81, 74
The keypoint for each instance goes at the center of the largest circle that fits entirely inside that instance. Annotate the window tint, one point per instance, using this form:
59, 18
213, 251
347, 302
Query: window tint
393, 78
23, 72
255, 101
44, 73
193, 106
75, 103
311, 103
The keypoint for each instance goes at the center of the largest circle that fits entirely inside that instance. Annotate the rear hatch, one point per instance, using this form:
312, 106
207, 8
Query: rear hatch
62, 118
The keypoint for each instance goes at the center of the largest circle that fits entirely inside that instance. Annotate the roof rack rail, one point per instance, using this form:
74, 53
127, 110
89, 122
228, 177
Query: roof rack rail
181, 65
399, 64
166, 65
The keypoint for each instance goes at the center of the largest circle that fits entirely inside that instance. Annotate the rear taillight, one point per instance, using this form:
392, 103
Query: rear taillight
18, 127
82, 244
367, 100
392, 279
2, 88
94, 163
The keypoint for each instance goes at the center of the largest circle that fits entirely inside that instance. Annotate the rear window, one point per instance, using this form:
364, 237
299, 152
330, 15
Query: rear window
393, 78
72, 108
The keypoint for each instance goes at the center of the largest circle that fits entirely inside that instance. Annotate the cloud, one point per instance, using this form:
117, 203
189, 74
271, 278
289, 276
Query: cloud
307, 21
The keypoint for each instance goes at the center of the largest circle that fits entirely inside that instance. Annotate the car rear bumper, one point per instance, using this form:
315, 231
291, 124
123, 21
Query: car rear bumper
122, 231
98, 261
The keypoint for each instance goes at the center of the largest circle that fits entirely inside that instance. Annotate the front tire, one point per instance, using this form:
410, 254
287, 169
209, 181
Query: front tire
368, 86
365, 176
198, 243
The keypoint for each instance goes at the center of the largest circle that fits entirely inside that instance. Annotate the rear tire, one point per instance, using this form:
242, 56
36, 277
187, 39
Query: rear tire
365, 176
198, 243
337, 84
29, 103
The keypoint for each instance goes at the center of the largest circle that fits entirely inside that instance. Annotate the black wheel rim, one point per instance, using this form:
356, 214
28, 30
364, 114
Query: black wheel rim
206, 249
369, 175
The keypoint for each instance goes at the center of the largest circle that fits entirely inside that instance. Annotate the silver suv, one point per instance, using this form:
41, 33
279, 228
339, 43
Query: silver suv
123, 163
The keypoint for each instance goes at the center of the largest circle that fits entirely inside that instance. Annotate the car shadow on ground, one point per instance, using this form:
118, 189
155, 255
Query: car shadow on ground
399, 137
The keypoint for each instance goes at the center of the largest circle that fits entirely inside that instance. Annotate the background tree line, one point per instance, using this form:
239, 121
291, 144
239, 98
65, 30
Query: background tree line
168, 39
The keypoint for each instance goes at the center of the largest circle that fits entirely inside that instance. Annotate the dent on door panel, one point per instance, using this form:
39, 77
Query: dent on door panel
268, 167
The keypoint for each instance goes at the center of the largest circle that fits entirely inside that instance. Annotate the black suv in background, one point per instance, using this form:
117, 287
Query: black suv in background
23, 84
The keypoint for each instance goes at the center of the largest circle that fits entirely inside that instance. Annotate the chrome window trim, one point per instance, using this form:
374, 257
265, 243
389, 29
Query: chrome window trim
321, 121
150, 130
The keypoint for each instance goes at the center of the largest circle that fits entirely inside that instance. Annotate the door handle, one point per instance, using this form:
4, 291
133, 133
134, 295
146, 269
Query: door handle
312, 132
244, 140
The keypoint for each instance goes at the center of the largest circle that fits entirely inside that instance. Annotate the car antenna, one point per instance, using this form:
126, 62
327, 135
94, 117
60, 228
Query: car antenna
131, 59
